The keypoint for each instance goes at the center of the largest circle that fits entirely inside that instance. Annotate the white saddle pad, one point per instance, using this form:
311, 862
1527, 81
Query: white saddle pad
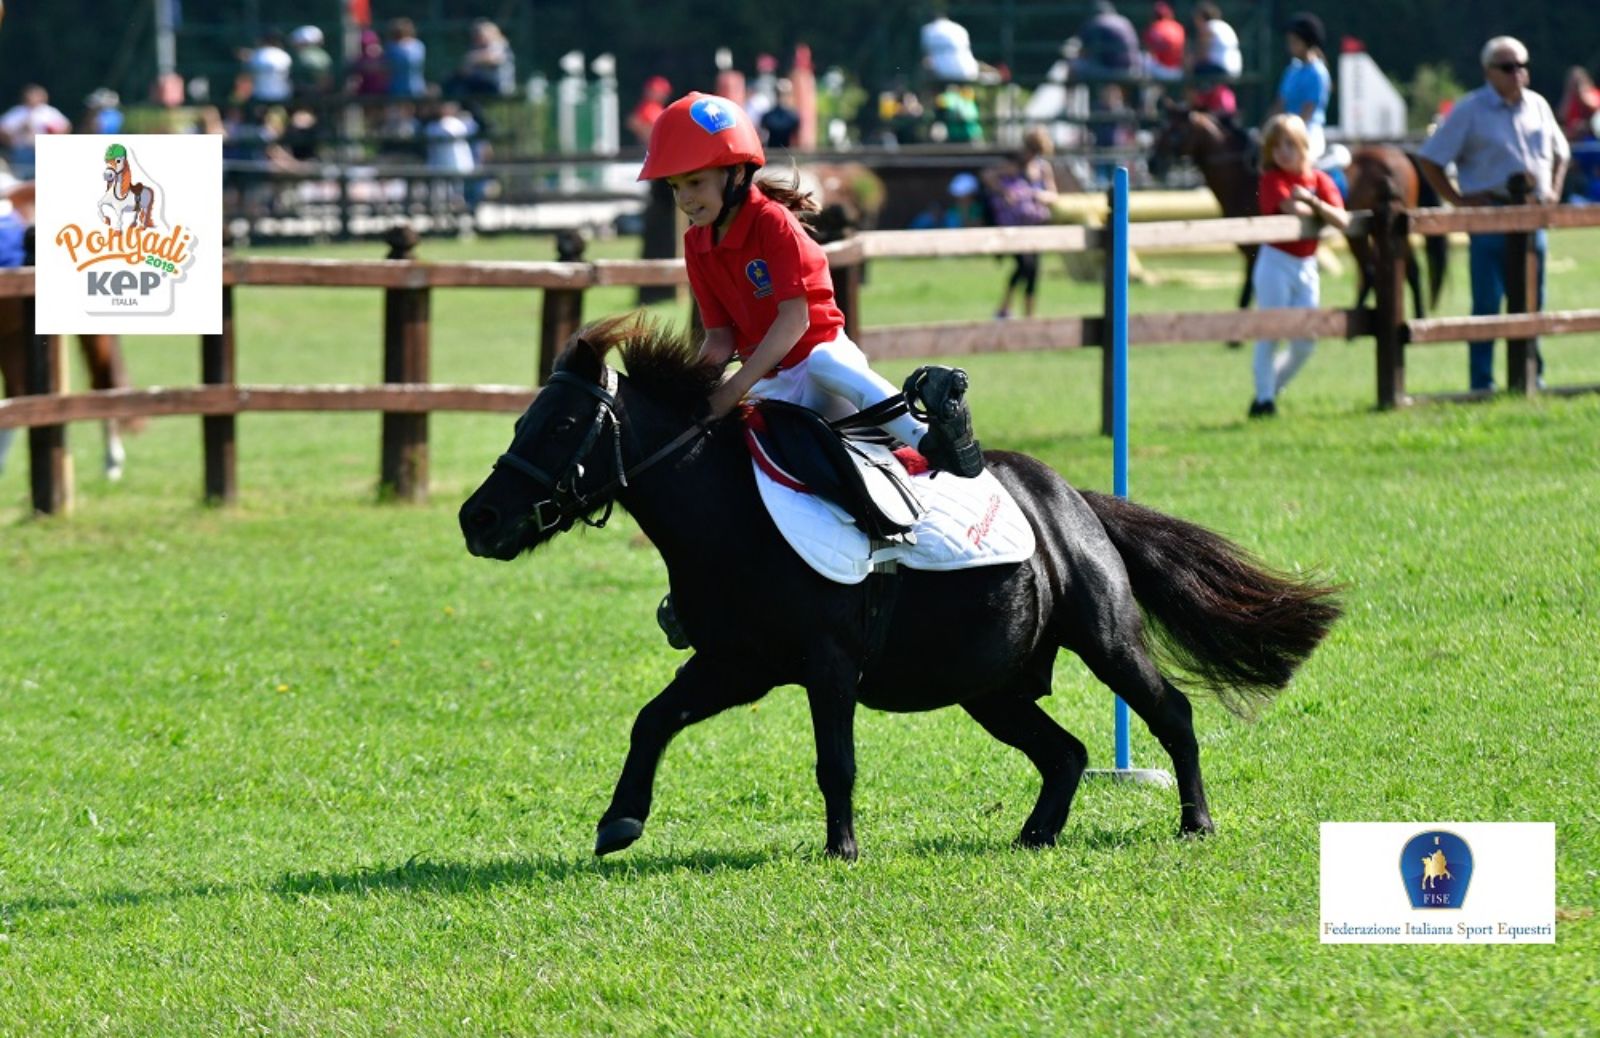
968, 522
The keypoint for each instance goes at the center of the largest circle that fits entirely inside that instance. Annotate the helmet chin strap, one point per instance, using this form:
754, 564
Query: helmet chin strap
735, 191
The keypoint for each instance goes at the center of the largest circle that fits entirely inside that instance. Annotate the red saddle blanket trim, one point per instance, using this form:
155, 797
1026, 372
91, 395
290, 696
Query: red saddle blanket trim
755, 424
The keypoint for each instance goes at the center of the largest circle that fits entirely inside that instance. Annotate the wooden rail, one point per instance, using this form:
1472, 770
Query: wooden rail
408, 396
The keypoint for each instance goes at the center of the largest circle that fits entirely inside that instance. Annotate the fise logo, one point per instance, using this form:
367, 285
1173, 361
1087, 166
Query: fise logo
129, 234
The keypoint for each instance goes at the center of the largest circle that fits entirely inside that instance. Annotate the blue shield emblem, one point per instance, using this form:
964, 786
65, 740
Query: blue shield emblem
756, 271
712, 115
1436, 867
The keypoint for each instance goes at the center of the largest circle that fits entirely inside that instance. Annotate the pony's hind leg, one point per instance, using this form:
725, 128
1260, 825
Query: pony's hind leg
1059, 756
1015, 718
1111, 642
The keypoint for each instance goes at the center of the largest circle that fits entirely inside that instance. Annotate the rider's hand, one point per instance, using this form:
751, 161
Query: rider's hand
725, 398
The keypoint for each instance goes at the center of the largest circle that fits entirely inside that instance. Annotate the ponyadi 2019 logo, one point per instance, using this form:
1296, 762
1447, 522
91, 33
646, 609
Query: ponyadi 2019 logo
128, 234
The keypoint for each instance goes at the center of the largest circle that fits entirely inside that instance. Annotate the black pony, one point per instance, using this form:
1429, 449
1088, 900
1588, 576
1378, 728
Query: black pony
984, 639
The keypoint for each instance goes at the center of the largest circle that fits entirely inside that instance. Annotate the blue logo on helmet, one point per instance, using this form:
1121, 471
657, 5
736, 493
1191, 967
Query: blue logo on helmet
712, 115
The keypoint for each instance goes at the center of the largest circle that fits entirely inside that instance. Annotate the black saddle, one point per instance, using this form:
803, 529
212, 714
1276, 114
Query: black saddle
857, 473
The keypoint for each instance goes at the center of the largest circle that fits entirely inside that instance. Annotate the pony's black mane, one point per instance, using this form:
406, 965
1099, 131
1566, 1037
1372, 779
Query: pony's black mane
660, 359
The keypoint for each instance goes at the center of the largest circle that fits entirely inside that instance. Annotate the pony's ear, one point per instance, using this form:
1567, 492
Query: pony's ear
581, 358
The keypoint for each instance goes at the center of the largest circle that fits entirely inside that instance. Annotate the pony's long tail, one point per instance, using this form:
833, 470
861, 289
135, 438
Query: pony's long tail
1237, 628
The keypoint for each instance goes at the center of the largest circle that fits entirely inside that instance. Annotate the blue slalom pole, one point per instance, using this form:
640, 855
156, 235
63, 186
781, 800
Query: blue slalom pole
1119, 388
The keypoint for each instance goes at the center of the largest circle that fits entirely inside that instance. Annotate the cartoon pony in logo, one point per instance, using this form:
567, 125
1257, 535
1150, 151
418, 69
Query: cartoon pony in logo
123, 196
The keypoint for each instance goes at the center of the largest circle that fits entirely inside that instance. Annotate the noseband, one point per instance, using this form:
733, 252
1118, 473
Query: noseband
566, 504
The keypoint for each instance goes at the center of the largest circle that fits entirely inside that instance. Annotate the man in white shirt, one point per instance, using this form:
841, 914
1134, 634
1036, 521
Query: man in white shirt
947, 54
1500, 130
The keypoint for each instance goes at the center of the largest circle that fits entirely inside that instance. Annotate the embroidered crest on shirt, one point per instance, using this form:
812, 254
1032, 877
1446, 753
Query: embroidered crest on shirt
756, 271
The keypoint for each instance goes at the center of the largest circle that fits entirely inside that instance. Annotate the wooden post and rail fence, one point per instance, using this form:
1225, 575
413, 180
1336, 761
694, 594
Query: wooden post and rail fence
407, 395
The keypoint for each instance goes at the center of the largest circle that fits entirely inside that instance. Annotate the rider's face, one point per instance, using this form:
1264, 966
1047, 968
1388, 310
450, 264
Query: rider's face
699, 194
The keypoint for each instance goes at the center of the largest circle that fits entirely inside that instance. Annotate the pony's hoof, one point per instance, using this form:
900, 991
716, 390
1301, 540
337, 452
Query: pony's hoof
616, 835
844, 851
1034, 841
1196, 829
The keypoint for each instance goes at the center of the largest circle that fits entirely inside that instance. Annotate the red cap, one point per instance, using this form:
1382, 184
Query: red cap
698, 131
657, 85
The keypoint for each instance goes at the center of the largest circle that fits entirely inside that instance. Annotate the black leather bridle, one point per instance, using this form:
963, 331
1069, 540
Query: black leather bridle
566, 503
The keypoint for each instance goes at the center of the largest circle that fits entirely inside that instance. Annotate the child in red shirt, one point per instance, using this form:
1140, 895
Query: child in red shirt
763, 286
1285, 273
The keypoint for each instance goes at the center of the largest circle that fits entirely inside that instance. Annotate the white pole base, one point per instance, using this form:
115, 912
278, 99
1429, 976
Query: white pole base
1138, 776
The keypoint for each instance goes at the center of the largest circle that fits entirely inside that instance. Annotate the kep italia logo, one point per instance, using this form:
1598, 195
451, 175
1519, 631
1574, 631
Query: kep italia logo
128, 234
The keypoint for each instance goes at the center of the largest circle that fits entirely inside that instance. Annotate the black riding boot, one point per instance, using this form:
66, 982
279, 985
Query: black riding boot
667, 619
937, 395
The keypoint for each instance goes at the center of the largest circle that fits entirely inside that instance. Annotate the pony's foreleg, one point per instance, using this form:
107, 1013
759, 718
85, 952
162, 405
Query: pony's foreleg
831, 692
1414, 279
700, 690
1247, 293
1015, 718
116, 457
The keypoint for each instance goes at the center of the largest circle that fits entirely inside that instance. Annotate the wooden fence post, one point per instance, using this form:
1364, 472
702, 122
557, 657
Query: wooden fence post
1391, 225
404, 473
560, 317
43, 371
218, 430
1522, 295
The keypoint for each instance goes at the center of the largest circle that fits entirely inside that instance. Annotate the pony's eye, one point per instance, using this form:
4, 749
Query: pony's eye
564, 426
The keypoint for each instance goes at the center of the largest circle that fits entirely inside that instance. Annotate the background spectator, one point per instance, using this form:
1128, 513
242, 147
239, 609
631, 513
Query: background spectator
311, 69
781, 122
405, 56
1306, 85
1216, 45
33, 117
264, 71
102, 112
763, 92
1164, 38
1108, 46
488, 68
1500, 130
369, 73
1580, 101
652, 99
947, 51
1020, 197
956, 115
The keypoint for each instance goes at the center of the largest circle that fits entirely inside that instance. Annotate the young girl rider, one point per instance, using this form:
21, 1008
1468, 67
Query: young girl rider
763, 286
1285, 273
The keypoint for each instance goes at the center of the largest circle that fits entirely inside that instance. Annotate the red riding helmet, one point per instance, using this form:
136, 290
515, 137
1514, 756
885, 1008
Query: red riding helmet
697, 131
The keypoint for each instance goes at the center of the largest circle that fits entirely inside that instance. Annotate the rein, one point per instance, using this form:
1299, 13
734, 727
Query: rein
566, 504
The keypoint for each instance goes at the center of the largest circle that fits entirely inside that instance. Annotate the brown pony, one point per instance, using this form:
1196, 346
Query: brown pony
102, 355
1229, 161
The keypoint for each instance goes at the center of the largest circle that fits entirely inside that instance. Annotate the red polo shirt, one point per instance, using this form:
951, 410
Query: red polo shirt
764, 258
1276, 185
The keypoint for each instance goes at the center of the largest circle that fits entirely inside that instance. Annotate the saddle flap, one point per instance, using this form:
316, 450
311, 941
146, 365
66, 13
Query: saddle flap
797, 447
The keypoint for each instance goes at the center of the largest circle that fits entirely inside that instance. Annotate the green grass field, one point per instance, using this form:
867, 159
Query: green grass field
305, 767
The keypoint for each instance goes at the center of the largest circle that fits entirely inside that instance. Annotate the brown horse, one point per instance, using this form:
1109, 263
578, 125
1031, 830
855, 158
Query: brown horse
1228, 160
102, 355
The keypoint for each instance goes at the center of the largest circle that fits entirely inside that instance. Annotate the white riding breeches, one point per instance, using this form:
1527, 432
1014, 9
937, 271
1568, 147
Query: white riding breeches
835, 380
